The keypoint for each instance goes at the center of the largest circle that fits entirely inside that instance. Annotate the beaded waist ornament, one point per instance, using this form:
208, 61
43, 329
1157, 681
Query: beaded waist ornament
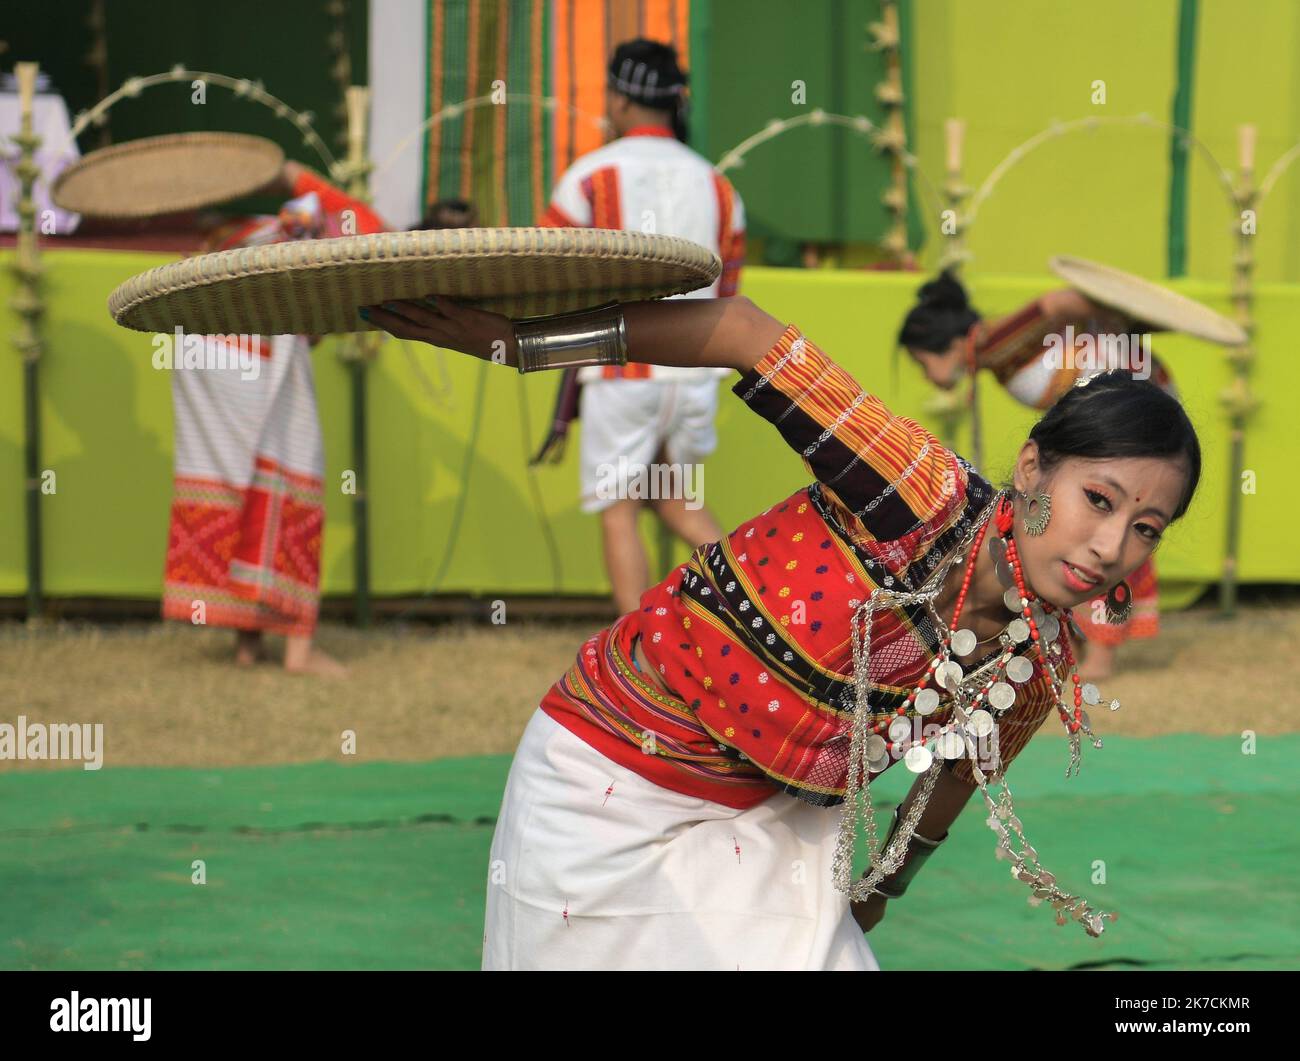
979, 699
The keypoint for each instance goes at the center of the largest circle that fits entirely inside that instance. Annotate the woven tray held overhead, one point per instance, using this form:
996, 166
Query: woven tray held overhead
315, 287
167, 174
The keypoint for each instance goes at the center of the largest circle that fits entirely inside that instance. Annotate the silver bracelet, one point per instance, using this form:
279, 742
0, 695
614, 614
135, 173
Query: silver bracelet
589, 337
919, 848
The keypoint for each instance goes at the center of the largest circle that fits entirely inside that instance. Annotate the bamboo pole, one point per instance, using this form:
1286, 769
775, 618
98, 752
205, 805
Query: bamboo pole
892, 139
357, 351
955, 193
1237, 399
340, 68
948, 407
29, 307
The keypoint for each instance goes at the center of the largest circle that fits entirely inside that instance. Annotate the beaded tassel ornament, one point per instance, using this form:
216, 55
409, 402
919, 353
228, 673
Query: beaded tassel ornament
978, 699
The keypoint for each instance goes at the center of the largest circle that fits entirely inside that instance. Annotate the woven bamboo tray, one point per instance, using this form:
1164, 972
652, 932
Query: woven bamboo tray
314, 287
166, 174
1145, 301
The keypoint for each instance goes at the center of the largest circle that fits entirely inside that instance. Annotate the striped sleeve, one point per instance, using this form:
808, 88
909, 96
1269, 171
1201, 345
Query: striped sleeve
885, 475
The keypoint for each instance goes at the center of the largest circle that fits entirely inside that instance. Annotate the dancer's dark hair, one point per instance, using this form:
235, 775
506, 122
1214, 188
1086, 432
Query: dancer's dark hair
647, 72
942, 313
450, 213
1116, 415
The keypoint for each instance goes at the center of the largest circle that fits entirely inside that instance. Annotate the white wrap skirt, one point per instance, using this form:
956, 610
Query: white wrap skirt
595, 867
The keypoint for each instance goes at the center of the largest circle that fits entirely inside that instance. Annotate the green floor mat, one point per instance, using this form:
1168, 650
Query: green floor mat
382, 866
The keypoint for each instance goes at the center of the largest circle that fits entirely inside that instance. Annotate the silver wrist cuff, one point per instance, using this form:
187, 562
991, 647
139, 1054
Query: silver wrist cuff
589, 337
919, 848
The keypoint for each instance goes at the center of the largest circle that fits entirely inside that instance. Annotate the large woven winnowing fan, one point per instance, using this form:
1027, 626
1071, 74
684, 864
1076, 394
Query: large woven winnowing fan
316, 286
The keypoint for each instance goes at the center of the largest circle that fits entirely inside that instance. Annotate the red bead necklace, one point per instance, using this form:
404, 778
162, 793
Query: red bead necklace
1003, 519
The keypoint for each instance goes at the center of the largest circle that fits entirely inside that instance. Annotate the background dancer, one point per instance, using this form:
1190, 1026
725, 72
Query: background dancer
247, 512
947, 337
644, 415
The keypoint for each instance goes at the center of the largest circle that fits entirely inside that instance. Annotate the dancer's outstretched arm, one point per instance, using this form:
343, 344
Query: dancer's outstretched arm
708, 332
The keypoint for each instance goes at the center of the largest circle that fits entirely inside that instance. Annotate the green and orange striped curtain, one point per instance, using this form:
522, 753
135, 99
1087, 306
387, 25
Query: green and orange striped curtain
504, 159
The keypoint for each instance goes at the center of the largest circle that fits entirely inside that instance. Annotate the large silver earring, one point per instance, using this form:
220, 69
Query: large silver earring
1119, 603
1036, 522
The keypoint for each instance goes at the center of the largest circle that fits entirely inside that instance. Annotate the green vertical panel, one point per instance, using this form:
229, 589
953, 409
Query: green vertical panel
547, 131
485, 190
812, 183
1179, 147
357, 18
700, 132
519, 131
428, 108
455, 87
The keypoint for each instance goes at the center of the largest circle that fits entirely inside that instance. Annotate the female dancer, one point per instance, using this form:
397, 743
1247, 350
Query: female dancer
1026, 352
900, 606
248, 512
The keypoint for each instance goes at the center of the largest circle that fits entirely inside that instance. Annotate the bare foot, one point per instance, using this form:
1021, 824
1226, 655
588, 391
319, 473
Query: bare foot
320, 664
249, 648
1098, 663
302, 657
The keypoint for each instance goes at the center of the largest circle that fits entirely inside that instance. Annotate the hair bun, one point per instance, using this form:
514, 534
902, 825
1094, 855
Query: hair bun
942, 313
944, 292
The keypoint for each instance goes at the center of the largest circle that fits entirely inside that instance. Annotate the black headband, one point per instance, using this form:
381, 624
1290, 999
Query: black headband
639, 82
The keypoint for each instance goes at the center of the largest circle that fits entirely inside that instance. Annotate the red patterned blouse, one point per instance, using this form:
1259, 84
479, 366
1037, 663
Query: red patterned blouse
752, 634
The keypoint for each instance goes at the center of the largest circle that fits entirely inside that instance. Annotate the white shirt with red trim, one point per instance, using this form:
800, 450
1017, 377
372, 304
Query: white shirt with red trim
649, 181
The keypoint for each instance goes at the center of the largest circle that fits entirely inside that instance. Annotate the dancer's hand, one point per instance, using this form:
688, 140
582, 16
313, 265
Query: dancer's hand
450, 325
869, 911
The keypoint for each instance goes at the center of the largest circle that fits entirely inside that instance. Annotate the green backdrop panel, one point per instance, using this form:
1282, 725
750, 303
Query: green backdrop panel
1246, 73
107, 437
1105, 193
1100, 194
813, 183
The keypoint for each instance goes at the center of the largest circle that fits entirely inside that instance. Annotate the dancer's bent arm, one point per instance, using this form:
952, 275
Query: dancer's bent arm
687, 332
